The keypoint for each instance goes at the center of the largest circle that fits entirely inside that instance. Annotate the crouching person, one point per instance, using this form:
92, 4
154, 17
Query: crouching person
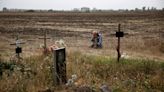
96, 39
99, 43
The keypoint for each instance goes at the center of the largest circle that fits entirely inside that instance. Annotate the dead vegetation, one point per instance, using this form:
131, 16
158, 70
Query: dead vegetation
92, 71
143, 44
144, 31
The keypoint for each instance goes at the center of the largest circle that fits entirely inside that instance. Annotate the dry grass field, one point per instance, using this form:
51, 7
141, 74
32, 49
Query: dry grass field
144, 31
143, 46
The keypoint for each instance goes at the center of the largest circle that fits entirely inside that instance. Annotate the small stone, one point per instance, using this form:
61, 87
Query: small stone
104, 88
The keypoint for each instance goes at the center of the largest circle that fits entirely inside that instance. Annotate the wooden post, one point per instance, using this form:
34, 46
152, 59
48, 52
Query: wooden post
45, 37
59, 71
118, 48
119, 34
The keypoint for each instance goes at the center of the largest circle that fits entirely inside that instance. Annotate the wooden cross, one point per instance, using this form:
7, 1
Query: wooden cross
45, 39
119, 34
18, 49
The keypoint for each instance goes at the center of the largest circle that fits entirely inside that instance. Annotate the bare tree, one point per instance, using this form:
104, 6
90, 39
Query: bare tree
153, 9
4, 9
143, 8
148, 9
136, 9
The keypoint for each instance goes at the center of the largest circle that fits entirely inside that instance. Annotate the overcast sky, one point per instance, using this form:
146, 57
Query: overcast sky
70, 4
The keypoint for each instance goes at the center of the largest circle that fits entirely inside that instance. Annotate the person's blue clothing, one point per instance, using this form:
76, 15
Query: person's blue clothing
99, 40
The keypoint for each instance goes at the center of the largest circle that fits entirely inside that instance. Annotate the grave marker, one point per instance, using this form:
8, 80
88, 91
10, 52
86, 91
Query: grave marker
119, 34
59, 71
45, 40
18, 48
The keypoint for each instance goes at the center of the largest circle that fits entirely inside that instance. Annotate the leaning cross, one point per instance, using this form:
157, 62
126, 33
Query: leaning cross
119, 34
45, 39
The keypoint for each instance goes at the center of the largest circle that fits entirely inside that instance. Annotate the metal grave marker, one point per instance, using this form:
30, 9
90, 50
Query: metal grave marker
18, 48
59, 71
119, 34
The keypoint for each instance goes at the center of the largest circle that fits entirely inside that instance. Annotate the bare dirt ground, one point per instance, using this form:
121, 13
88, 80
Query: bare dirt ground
144, 32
